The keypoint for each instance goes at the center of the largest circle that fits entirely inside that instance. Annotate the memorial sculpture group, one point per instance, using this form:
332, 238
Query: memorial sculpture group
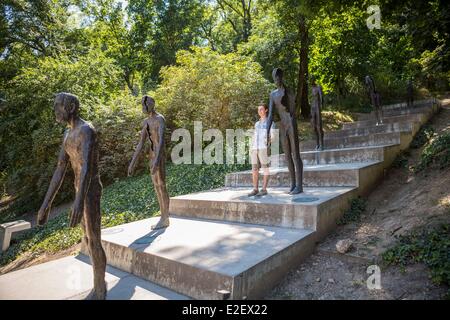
80, 148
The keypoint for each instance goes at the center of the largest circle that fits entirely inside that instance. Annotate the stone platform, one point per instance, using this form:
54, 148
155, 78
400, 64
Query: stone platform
200, 258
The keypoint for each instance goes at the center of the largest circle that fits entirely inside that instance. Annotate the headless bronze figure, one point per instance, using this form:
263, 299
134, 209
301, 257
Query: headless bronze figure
80, 148
282, 100
375, 99
316, 109
153, 130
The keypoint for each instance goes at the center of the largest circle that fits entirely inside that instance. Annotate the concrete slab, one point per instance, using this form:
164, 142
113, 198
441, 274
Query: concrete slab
323, 175
71, 278
416, 117
277, 208
341, 155
389, 127
396, 112
373, 139
200, 257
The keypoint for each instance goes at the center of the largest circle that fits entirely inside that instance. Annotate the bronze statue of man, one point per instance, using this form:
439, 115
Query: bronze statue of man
282, 100
80, 148
375, 99
153, 129
316, 110
410, 94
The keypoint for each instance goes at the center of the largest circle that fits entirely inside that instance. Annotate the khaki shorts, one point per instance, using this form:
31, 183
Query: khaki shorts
260, 158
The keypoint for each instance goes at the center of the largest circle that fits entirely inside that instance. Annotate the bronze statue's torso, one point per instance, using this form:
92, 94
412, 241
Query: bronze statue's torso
283, 111
315, 105
153, 125
76, 142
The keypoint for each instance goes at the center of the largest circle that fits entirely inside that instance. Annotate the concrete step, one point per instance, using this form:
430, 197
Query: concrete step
384, 128
403, 105
199, 258
315, 209
71, 278
398, 112
346, 155
362, 175
415, 117
373, 139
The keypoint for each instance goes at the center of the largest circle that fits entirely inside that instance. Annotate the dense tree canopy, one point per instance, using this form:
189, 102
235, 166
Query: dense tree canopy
208, 60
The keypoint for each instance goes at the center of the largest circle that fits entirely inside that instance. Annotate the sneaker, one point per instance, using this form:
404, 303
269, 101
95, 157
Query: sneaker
253, 193
262, 193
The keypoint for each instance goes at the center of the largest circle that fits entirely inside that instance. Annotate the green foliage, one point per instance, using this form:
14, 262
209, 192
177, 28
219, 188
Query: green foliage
425, 134
221, 90
357, 207
436, 153
401, 160
125, 201
31, 138
431, 248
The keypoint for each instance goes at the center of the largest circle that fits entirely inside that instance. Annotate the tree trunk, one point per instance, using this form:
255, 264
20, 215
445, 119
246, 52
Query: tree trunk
301, 99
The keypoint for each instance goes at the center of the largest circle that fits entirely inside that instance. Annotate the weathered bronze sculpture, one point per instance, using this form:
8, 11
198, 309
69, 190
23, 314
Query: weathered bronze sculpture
375, 99
153, 129
410, 94
316, 109
284, 103
80, 148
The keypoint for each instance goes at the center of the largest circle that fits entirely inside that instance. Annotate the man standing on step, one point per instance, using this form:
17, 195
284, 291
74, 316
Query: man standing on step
153, 129
375, 99
260, 152
316, 110
80, 148
282, 100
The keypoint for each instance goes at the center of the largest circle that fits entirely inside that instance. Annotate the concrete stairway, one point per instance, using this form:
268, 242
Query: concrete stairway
222, 244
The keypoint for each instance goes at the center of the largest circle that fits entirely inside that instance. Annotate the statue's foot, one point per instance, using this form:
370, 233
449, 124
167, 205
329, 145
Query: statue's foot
97, 294
296, 190
163, 223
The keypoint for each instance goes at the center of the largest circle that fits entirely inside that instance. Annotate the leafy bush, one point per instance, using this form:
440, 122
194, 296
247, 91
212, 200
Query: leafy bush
357, 207
431, 248
125, 201
436, 153
425, 134
221, 90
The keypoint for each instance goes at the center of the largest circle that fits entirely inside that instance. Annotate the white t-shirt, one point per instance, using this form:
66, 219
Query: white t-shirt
260, 134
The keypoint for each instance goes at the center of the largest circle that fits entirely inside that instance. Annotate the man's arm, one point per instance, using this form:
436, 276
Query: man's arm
158, 154
55, 184
87, 152
139, 148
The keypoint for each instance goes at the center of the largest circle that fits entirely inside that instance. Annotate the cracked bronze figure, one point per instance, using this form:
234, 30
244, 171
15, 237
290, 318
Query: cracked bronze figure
282, 100
375, 99
153, 129
80, 149
316, 110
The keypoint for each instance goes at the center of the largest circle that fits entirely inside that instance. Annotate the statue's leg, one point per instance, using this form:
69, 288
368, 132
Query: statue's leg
319, 120
298, 163
163, 198
288, 154
92, 220
314, 125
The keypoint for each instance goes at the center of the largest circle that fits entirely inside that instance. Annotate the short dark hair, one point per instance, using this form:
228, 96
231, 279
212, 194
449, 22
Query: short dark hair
263, 104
